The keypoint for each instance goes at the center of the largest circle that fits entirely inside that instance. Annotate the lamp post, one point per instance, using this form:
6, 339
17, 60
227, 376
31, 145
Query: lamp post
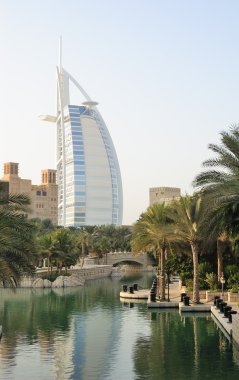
222, 279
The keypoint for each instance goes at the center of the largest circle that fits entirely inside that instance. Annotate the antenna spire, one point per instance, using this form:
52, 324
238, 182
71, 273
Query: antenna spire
60, 54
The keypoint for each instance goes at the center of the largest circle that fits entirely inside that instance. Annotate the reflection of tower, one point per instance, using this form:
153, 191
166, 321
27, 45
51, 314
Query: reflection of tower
88, 349
88, 173
100, 344
64, 353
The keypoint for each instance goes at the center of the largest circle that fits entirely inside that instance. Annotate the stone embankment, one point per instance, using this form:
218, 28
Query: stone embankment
77, 278
235, 328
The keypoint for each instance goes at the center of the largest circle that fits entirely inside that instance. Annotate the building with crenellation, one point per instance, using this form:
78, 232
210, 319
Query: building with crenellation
163, 194
43, 197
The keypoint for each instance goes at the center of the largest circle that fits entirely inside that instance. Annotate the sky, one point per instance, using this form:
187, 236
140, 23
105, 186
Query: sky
165, 74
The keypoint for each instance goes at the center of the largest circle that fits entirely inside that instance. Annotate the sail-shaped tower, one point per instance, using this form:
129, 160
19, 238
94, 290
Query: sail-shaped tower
88, 173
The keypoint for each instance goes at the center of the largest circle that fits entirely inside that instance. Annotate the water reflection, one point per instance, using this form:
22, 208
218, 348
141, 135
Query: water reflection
184, 347
88, 333
54, 323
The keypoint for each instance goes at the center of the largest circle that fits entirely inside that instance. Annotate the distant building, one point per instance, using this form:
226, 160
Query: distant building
88, 173
43, 197
4, 190
163, 194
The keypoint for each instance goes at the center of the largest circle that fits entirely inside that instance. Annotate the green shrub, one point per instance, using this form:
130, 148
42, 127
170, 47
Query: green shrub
185, 276
234, 289
211, 280
231, 270
203, 269
189, 284
233, 280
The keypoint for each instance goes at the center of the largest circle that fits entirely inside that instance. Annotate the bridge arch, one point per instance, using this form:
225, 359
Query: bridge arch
127, 258
127, 261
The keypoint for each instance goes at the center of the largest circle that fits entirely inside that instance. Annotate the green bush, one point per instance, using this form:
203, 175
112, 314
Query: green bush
185, 276
211, 280
203, 269
202, 283
233, 280
189, 284
234, 289
231, 270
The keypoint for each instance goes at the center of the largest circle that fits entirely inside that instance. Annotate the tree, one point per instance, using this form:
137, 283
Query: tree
223, 183
187, 215
110, 238
43, 226
217, 227
122, 238
45, 246
63, 248
104, 246
219, 186
83, 238
153, 233
16, 239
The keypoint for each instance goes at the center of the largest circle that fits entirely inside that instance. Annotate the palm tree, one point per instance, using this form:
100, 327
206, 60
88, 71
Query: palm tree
123, 236
104, 246
16, 239
63, 248
153, 232
220, 224
187, 215
223, 183
219, 185
83, 237
45, 245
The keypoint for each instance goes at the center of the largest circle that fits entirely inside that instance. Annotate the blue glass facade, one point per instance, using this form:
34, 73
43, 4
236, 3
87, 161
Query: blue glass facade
113, 168
75, 168
90, 189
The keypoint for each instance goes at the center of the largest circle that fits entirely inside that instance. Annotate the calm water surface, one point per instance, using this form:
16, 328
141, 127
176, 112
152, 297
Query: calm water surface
89, 334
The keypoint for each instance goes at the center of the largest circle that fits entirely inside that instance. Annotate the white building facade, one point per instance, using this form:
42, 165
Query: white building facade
88, 173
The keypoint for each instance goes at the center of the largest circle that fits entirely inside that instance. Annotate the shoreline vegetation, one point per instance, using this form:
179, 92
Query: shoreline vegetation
195, 236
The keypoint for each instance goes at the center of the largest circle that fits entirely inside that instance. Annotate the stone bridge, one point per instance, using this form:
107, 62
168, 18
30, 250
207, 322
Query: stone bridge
127, 258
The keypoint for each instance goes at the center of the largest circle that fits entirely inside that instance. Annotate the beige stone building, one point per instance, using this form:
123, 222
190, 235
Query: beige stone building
4, 190
163, 194
43, 197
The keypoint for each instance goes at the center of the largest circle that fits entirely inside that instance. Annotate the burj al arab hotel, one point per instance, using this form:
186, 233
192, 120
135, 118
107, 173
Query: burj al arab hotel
88, 173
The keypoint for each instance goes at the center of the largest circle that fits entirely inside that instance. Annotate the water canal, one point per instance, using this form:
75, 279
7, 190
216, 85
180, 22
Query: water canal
89, 334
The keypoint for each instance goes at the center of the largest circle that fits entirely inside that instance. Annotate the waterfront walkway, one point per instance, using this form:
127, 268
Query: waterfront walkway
174, 292
175, 301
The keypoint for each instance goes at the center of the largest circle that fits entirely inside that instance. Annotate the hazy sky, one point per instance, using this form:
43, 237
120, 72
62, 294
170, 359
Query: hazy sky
165, 74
